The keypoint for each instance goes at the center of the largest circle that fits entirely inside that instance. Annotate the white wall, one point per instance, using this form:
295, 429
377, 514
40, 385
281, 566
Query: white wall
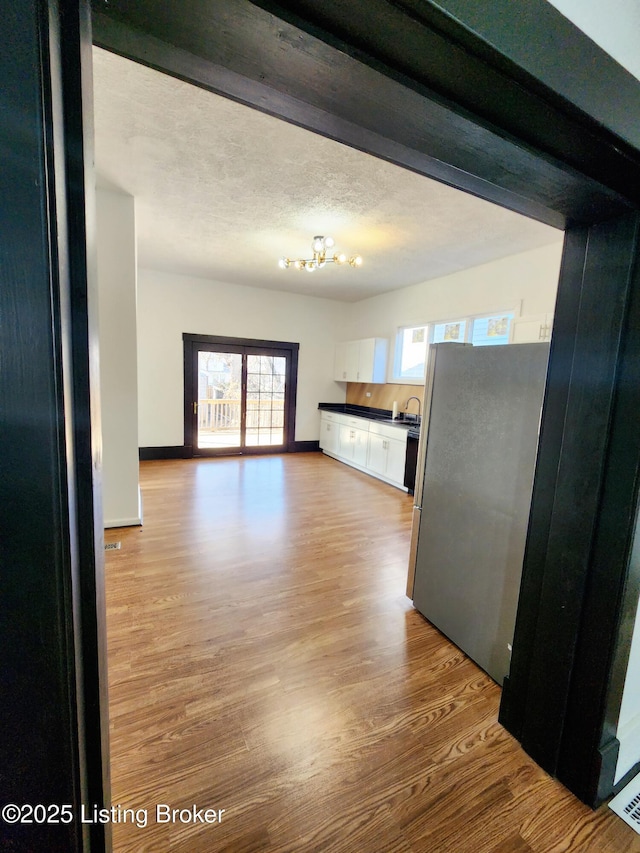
116, 251
629, 722
170, 304
526, 282
614, 26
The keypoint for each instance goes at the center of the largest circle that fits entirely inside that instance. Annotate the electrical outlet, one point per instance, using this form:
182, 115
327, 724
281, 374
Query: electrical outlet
367, 393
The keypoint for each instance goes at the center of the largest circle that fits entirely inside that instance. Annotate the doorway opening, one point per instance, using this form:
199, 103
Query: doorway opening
239, 395
492, 165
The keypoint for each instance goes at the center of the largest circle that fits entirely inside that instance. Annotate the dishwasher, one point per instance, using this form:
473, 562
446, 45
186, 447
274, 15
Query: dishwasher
413, 437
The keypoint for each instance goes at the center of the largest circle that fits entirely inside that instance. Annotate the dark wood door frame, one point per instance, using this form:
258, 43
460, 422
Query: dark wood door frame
471, 106
453, 89
289, 349
53, 714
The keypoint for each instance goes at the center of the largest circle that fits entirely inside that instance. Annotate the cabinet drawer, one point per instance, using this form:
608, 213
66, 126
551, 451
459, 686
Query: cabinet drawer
389, 431
334, 417
357, 423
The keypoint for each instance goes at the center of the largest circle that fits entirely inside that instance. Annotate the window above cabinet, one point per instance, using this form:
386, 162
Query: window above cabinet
409, 363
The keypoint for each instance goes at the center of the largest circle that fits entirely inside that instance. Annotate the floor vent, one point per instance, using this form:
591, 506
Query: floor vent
627, 804
112, 546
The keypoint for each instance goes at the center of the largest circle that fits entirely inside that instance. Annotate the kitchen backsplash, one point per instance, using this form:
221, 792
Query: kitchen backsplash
384, 396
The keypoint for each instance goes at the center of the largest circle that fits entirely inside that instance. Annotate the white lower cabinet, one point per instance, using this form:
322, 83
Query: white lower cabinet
377, 449
361, 448
346, 442
377, 458
387, 457
354, 442
329, 434
387, 452
396, 459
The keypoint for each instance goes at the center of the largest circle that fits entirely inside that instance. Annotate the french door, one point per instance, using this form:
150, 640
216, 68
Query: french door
239, 395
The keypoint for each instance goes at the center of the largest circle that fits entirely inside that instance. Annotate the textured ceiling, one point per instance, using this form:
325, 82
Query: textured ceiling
223, 191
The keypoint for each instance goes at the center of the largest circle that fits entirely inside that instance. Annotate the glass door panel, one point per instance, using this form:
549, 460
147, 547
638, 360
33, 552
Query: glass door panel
266, 378
219, 407
239, 395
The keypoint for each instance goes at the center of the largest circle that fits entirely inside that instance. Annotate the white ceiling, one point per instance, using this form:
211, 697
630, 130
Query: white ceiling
223, 191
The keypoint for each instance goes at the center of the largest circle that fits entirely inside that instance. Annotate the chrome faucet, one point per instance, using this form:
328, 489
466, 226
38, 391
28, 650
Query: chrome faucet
406, 406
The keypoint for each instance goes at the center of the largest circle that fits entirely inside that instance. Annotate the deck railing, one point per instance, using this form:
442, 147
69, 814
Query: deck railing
219, 415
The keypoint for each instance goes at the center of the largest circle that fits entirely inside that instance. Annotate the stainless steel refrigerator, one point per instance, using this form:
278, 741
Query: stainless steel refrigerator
474, 480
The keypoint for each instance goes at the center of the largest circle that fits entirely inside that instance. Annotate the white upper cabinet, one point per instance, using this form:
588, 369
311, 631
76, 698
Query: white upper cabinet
340, 363
532, 329
353, 361
361, 361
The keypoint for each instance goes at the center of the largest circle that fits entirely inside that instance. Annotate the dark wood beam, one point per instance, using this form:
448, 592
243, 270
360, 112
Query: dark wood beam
235, 48
523, 68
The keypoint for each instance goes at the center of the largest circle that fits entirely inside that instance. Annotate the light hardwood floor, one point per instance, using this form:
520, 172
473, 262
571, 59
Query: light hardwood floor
264, 660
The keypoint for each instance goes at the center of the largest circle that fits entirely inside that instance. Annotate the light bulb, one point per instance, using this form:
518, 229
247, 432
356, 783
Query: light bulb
283, 263
339, 258
311, 266
356, 261
329, 241
298, 264
318, 244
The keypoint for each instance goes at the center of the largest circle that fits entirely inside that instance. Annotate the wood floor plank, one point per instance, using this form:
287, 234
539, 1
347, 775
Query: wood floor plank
264, 660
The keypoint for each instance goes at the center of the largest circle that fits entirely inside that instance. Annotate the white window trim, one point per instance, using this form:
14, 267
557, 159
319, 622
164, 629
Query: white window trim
468, 319
516, 312
397, 353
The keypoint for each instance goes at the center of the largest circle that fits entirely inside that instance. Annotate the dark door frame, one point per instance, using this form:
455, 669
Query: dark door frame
190, 344
459, 90
54, 748
471, 106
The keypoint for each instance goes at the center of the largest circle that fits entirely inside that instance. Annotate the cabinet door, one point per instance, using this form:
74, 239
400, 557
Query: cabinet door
346, 443
323, 433
361, 361
372, 364
361, 447
377, 456
366, 360
532, 329
353, 361
328, 435
396, 457
340, 363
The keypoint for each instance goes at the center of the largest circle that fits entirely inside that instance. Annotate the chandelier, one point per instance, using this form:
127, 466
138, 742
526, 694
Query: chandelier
321, 246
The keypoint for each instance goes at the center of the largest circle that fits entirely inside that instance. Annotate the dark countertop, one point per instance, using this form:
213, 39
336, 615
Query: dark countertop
380, 415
